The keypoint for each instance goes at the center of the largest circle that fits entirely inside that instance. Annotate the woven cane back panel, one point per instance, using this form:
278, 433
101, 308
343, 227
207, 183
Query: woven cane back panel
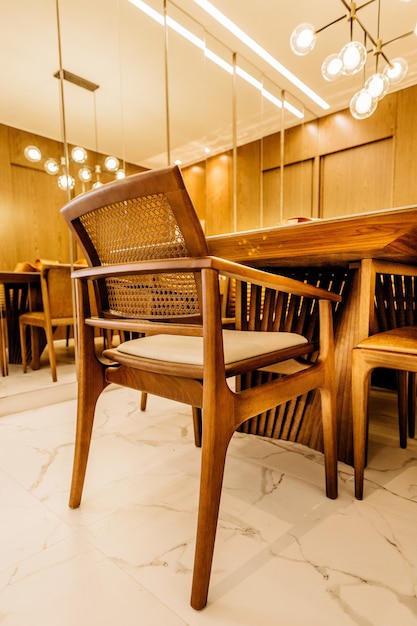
142, 229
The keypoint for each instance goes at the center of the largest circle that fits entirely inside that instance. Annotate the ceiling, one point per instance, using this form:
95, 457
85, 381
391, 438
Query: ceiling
115, 45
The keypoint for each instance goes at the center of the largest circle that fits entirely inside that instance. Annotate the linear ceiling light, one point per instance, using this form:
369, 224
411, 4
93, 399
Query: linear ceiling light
212, 56
261, 52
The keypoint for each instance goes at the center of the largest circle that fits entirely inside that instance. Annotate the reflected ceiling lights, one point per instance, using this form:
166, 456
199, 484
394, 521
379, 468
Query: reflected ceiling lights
79, 155
352, 59
212, 56
261, 52
33, 154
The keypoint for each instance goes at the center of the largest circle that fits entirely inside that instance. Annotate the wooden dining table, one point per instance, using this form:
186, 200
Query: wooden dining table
349, 252
22, 292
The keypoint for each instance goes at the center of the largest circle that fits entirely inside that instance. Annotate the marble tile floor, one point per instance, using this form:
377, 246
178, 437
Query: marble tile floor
285, 554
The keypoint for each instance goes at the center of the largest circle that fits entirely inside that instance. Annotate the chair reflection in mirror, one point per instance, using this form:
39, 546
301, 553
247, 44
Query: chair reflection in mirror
56, 310
148, 259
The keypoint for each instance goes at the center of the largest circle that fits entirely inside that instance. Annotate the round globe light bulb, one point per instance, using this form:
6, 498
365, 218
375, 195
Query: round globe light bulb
303, 39
120, 174
377, 85
363, 104
79, 155
66, 182
353, 57
331, 67
33, 154
51, 166
396, 71
85, 174
111, 163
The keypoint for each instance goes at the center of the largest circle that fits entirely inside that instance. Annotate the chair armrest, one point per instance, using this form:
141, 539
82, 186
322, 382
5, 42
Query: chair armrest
191, 264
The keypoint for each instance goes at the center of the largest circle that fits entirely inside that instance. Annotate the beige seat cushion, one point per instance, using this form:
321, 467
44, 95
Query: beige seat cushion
238, 345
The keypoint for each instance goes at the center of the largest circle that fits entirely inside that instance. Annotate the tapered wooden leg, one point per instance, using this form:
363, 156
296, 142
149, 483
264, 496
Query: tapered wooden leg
402, 398
51, 352
214, 448
22, 328
143, 400
91, 383
329, 441
411, 404
197, 423
360, 390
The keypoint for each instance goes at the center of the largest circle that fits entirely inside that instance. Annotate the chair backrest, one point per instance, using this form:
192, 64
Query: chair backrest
395, 301
57, 291
147, 216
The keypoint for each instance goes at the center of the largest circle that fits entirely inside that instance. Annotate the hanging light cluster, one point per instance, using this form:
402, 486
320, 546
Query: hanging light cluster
85, 173
351, 59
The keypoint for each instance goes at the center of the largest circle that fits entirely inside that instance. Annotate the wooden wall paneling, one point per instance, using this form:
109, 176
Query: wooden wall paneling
298, 192
271, 151
6, 199
39, 229
249, 198
298, 189
405, 181
195, 181
30, 199
219, 214
357, 180
271, 184
340, 131
301, 142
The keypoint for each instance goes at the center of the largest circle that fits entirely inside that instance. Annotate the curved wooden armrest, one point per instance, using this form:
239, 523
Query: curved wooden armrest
229, 268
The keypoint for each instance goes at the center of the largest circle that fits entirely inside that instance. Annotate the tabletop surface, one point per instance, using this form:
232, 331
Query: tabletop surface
389, 234
19, 277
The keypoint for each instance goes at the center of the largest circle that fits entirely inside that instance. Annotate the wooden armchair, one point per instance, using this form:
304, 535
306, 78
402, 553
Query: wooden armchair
148, 260
392, 344
57, 310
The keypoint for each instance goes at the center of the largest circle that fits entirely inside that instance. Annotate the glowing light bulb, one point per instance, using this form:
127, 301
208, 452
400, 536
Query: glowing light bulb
79, 155
377, 85
33, 154
51, 166
396, 70
331, 67
303, 39
353, 57
362, 104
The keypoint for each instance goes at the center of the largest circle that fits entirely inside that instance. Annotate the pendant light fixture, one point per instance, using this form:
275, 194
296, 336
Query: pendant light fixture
353, 56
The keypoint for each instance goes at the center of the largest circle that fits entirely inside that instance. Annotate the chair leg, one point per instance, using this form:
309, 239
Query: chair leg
329, 441
360, 391
91, 383
402, 399
197, 423
214, 448
22, 329
143, 400
51, 352
411, 404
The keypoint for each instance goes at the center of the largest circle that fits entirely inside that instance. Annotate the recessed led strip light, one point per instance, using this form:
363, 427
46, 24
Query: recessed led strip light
212, 56
261, 52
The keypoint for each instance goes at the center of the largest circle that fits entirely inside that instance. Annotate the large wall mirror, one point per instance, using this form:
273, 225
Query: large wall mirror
153, 85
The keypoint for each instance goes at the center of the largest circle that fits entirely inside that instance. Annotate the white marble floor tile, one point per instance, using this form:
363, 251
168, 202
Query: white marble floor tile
285, 554
72, 584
